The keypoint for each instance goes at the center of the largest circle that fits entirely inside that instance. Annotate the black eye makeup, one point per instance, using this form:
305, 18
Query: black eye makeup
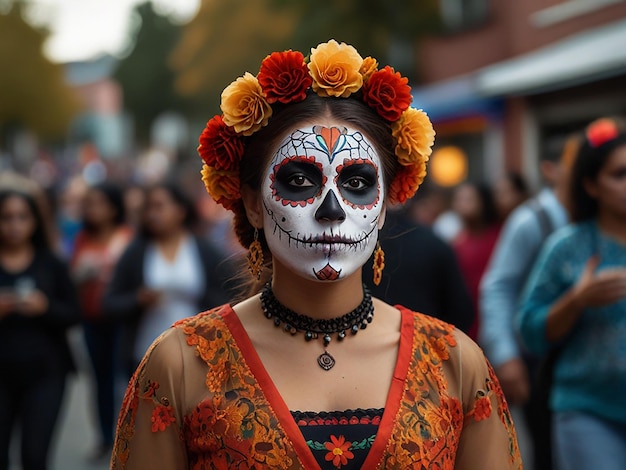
297, 181
357, 181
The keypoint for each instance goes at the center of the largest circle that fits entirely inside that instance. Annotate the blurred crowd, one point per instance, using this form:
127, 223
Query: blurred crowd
536, 277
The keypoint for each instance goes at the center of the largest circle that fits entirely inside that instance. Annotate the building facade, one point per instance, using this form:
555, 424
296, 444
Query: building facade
508, 80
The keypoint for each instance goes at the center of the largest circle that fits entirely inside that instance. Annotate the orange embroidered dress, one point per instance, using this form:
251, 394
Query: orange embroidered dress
201, 399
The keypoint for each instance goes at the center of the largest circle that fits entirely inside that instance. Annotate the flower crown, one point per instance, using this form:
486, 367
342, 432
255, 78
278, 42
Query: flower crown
332, 70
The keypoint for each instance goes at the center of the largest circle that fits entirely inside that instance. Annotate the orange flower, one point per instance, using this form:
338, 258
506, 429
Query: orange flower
284, 77
601, 131
335, 69
414, 135
220, 147
338, 451
388, 93
222, 185
482, 408
244, 105
368, 67
406, 182
161, 418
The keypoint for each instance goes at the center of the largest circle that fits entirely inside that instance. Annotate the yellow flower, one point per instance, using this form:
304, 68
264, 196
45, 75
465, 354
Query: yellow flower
244, 106
368, 67
335, 69
222, 185
414, 135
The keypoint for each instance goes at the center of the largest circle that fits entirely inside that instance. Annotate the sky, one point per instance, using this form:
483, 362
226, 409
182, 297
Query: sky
84, 29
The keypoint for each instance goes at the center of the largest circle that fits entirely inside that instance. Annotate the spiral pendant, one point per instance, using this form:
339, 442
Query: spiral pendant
326, 361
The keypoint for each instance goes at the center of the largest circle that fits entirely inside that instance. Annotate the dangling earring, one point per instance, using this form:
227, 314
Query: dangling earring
255, 256
379, 263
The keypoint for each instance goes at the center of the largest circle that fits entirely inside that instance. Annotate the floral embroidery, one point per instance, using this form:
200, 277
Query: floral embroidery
236, 427
161, 418
338, 451
482, 407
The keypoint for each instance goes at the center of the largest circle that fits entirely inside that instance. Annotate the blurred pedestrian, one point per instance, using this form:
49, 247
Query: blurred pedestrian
473, 202
37, 306
509, 191
168, 272
421, 272
575, 303
98, 245
519, 242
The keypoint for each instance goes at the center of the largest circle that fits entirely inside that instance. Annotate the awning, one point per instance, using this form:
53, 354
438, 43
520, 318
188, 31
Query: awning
454, 98
581, 58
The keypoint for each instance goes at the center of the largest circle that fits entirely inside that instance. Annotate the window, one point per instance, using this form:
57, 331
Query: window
463, 14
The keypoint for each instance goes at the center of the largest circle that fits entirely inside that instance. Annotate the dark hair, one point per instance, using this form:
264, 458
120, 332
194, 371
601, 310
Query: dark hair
181, 199
115, 198
284, 117
40, 238
588, 163
518, 182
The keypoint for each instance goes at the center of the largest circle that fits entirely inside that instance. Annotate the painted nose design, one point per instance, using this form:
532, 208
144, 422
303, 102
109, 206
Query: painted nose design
330, 209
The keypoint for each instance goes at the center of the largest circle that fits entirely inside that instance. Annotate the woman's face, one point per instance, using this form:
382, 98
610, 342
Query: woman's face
506, 196
162, 214
466, 202
97, 210
323, 198
17, 222
609, 187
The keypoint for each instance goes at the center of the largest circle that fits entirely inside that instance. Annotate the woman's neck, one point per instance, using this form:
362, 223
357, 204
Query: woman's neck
317, 299
16, 258
169, 243
612, 225
103, 233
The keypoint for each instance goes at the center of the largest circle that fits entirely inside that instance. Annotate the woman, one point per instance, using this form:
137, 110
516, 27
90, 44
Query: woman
102, 239
509, 192
474, 204
576, 302
37, 305
165, 274
378, 386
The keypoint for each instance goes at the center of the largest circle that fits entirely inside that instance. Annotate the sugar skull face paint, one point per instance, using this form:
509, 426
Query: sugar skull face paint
323, 198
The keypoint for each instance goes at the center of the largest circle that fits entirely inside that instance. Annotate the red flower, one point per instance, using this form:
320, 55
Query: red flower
338, 451
284, 77
220, 146
601, 132
405, 184
388, 93
161, 418
482, 408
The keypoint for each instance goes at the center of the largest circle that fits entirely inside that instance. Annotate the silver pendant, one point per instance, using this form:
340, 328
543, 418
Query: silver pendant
326, 361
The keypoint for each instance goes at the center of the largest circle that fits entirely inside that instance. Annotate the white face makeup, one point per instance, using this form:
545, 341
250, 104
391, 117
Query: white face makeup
323, 197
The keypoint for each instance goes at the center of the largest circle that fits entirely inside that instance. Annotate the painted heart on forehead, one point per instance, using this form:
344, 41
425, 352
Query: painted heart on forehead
323, 200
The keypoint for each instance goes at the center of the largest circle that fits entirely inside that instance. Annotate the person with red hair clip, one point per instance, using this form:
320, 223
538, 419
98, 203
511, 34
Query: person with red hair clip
574, 307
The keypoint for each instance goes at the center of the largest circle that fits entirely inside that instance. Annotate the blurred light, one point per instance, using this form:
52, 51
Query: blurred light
448, 166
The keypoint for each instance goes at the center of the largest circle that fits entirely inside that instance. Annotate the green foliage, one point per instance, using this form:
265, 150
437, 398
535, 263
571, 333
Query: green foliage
229, 37
146, 78
33, 92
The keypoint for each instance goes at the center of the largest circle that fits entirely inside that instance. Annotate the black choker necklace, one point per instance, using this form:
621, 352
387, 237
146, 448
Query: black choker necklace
313, 328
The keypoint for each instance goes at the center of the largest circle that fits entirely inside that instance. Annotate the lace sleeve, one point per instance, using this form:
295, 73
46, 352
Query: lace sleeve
149, 426
488, 440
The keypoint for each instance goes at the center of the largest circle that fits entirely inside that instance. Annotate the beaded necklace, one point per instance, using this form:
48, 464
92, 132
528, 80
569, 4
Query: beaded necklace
314, 328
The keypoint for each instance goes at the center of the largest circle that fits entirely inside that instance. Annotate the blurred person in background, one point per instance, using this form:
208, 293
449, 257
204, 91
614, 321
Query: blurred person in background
97, 247
519, 242
473, 202
509, 191
421, 271
575, 303
168, 272
37, 305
